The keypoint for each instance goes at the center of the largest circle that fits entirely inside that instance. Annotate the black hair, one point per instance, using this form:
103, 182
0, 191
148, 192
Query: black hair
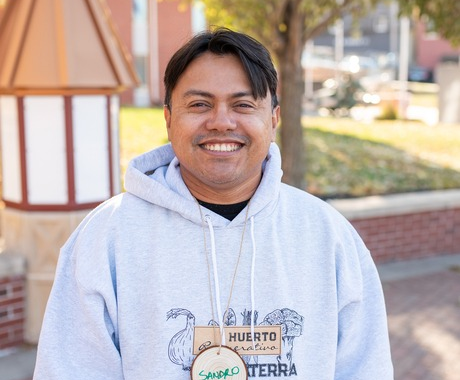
256, 60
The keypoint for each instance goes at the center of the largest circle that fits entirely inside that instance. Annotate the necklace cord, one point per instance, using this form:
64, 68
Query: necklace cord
237, 264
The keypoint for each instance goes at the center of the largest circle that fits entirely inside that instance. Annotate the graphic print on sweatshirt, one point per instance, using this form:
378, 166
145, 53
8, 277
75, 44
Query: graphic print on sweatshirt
180, 349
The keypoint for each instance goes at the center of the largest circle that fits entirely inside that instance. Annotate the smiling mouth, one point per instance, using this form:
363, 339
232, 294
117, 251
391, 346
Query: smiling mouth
230, 147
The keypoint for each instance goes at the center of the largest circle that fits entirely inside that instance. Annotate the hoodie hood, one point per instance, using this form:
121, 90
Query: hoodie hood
155, 177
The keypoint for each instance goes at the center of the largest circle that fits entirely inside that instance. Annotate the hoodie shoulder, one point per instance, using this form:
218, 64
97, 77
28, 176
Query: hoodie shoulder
305, 207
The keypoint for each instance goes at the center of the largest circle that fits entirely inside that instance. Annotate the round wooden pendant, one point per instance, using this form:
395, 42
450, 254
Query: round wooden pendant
218, 362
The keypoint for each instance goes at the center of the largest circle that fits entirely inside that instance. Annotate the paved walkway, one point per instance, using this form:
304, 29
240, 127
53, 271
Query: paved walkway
423, 305
18, 365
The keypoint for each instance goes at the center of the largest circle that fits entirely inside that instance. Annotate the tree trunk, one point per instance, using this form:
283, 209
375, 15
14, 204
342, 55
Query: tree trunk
292, 88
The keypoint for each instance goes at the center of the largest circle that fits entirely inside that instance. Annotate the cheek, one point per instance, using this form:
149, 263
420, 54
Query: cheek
174, 129
176, 138
180, 140
270, 133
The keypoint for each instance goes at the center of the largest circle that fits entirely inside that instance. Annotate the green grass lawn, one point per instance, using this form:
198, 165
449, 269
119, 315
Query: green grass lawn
348, 158
344, 157
141, 129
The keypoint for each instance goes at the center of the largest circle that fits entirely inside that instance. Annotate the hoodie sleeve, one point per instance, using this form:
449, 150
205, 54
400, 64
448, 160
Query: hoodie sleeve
78, 339
363, 349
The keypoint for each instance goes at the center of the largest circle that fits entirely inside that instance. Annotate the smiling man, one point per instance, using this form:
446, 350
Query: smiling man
209, 266
219, 130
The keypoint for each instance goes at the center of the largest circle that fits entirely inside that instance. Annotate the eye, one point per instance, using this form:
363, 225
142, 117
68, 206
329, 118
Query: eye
244, 107
198, 104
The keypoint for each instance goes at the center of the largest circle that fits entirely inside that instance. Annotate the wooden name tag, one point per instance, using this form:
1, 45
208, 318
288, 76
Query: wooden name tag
266, 340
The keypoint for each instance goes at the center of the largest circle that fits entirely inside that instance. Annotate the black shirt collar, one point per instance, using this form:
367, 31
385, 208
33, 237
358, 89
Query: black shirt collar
227, 211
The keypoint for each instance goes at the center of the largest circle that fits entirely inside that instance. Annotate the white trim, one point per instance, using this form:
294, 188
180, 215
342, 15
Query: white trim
198, 16
10, 149
154, 79
115, 135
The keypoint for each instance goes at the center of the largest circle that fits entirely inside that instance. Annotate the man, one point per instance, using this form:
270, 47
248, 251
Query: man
208, 267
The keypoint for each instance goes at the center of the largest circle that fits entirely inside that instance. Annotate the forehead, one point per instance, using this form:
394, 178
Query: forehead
214, 72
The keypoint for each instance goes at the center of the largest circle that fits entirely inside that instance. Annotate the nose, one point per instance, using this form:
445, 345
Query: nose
221, 119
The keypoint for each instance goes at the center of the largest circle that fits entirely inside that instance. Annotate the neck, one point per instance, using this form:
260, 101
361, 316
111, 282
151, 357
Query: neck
222, 193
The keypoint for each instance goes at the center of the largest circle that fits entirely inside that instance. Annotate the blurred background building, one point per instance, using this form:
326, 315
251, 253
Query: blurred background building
152, 30
371, 47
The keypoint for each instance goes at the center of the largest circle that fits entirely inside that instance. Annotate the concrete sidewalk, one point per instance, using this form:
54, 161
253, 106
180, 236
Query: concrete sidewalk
423, 307
18, 364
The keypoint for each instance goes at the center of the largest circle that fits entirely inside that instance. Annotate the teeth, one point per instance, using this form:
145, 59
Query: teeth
221, 147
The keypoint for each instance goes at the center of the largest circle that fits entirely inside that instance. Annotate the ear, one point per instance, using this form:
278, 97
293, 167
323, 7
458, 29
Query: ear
275, 121
167, 116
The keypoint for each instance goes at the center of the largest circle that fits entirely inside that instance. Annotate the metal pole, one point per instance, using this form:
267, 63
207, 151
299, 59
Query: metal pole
309, 49
339, 46
404, 50
393, 35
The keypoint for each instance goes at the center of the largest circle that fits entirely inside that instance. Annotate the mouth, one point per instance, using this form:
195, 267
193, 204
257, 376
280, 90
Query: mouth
223, 147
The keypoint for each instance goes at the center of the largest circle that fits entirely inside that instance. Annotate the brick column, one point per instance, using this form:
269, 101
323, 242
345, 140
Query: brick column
12, 301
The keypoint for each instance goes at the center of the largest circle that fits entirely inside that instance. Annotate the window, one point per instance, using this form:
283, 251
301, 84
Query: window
430, 33
140, 39
381, 24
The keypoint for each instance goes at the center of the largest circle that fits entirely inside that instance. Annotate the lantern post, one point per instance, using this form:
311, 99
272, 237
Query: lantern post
62, 67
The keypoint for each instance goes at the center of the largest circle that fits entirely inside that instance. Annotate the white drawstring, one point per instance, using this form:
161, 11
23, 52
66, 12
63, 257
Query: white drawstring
216, 278
253, 269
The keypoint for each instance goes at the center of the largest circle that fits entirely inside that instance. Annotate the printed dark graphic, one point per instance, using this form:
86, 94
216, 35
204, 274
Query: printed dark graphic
180, 349
247, 322
291, 327
229, 319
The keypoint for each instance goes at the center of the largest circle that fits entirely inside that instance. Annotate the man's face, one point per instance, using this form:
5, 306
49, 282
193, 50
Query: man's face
220, 133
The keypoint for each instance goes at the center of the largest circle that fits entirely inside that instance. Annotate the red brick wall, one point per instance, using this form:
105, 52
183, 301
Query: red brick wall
121, 15
174, 29
12, 302
410, 236
430, 51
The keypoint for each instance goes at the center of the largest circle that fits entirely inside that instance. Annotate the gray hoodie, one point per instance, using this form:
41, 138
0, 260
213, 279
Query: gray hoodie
146, 268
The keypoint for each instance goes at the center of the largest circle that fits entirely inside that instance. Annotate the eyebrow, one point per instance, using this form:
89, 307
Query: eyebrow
205, 94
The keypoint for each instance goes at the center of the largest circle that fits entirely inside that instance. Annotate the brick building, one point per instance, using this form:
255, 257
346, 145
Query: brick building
430, 49
377, 36
152, 30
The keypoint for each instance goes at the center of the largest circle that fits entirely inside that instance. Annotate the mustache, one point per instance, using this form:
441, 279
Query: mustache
201, 139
